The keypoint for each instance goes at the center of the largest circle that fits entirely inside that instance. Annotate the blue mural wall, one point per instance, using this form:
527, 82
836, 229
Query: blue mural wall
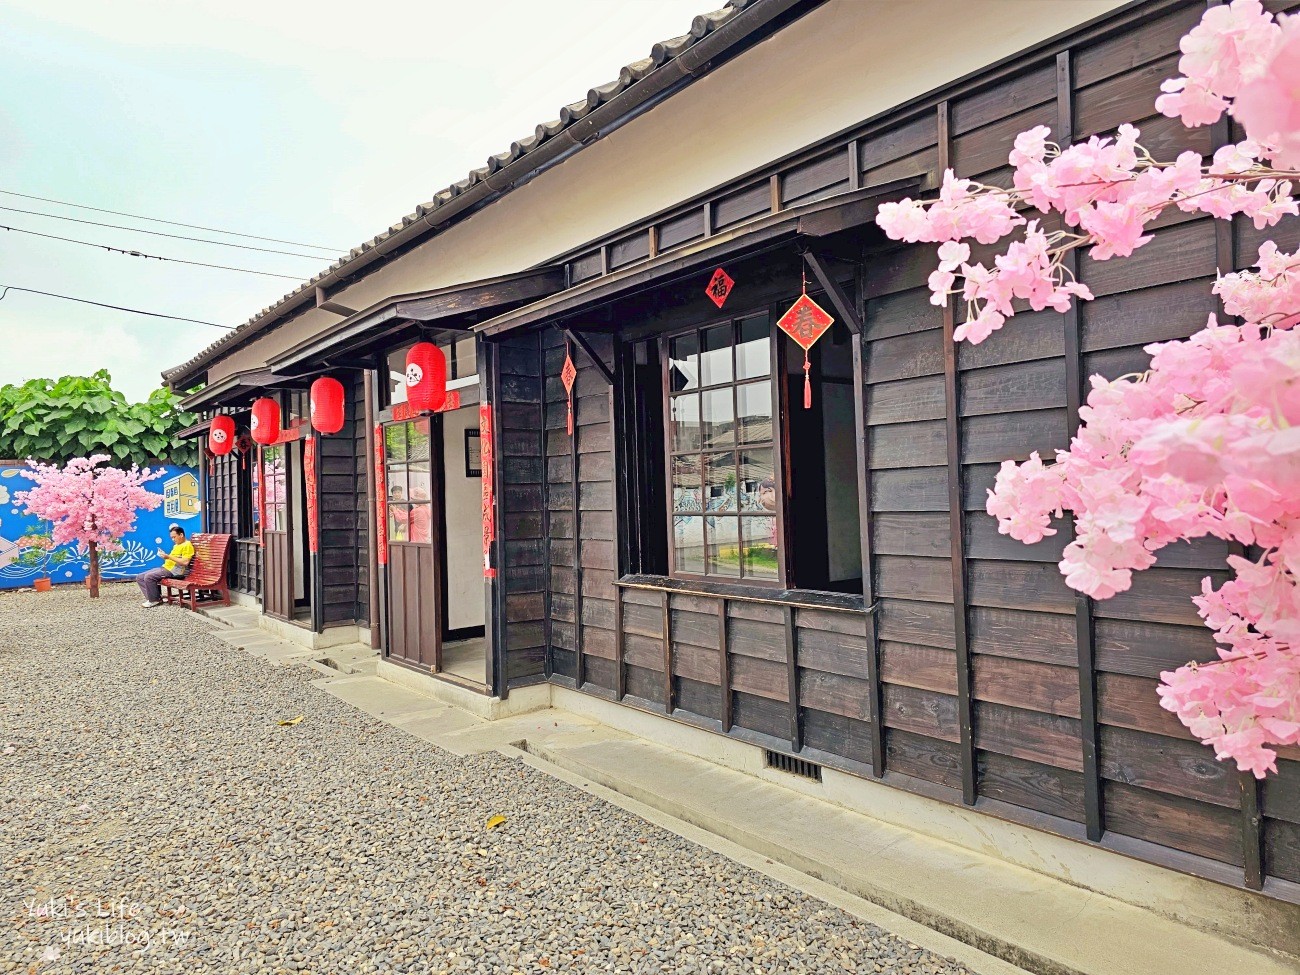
26, 554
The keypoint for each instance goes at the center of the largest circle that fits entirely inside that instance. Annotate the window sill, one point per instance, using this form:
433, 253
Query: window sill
798, 598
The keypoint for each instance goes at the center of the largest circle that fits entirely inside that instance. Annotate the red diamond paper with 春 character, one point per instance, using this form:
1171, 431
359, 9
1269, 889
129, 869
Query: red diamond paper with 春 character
567, 376
805, 322
720, 286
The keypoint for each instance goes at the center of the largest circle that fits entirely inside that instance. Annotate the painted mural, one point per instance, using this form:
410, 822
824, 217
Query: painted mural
26, 552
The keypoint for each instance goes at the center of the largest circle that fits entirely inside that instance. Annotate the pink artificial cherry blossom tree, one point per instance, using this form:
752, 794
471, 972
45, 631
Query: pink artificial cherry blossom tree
90, 505
1207, 440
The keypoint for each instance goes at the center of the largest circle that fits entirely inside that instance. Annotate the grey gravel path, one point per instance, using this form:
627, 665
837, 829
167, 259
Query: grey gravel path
147, 791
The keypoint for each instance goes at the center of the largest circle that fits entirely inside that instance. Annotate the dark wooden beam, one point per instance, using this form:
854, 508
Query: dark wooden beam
875, 703
324, 303
792, 675
620, 458
620, 669
670, 696
1252, 830
579, 663
581, 341
1085, 638
957, 516
724, 666
855, 166
843, 306
548, 622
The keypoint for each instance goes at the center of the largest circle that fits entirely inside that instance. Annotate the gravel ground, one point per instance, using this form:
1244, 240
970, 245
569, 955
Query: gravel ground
147, 793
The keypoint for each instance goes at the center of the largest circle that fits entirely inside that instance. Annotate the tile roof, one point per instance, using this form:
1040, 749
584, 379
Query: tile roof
661, 54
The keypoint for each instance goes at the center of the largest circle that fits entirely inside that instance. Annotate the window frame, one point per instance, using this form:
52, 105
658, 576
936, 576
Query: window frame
404, 467
777, 444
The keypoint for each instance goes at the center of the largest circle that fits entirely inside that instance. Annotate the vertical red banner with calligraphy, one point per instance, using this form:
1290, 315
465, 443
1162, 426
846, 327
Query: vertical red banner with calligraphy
313, 499
381, 498
489, 509
260, 499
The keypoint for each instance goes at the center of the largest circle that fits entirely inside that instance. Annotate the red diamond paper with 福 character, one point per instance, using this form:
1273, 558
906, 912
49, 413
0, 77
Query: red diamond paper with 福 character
567, 376
719, 287
805, 322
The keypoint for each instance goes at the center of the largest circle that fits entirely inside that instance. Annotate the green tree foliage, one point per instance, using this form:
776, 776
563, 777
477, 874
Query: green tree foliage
54, 420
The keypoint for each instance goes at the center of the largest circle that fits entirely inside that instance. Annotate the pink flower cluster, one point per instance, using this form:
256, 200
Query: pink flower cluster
1207, 442
1240, 60
85, 502
1110, 189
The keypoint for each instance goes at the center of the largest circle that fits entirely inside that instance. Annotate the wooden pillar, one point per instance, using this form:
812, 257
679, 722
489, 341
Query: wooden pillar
724, 667
548, 656
1085, 638
579, 663
792, 672
670, 697
368, 387
957, 516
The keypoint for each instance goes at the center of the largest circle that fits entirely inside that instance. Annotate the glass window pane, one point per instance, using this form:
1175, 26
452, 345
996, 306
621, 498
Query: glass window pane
419, 483
398, 488
715, 355
686, 483
684, 412
718, 426
757, 486
395, 441
683, 363
754, 348
723, 548
720, 482
754, 404
399, 519
759, 536
420, 517
417, 440
688, 543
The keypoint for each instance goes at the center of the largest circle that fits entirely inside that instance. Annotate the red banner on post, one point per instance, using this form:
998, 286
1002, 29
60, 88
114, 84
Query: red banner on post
381, 498
489, 509
313, 499
261, 498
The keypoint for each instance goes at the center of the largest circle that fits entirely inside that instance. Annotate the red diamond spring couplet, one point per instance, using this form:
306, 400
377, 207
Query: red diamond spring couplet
720, 286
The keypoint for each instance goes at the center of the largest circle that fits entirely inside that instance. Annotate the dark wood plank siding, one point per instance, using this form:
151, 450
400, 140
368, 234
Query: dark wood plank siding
523, 570
344, 563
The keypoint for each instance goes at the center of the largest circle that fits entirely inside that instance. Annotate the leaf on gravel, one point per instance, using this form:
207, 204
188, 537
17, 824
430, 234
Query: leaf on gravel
289, 721
495, 821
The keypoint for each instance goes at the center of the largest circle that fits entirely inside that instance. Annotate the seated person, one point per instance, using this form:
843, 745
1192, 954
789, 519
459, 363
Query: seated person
175, 564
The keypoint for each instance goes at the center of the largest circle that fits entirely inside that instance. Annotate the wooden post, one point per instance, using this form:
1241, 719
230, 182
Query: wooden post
372, 547
670, 702
579, 664
792, 674
957, 518
548, 657
1085, 638
724, 666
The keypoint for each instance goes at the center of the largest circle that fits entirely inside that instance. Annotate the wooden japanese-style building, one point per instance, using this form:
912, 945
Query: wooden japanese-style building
820, 583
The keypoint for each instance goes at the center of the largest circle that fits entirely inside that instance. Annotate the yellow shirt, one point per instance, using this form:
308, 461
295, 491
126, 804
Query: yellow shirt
184, 550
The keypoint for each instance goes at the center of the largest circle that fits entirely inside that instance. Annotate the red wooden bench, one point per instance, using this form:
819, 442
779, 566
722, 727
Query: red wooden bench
207, 571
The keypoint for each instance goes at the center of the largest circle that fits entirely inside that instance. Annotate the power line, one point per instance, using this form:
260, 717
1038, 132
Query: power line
173, 223
155, 257
159, 233
6, 288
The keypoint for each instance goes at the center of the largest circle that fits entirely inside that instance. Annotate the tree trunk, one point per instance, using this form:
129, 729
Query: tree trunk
92, 580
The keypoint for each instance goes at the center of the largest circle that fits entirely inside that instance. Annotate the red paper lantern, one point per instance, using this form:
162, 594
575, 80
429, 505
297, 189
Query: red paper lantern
426, 377
221, 435
264, 427
327, 405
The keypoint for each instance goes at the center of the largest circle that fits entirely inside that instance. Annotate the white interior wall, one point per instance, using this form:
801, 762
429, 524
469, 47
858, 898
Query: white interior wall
842, 63
463, 523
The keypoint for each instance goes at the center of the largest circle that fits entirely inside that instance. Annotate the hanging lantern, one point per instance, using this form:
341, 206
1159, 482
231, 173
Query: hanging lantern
264, 427
426, 377
805, 322
221, 435
327, 405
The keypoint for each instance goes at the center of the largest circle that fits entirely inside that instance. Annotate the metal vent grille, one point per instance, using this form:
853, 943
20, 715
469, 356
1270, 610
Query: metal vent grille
795, 766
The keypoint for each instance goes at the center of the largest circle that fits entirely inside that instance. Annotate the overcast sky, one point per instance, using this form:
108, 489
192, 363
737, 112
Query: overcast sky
316, 122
